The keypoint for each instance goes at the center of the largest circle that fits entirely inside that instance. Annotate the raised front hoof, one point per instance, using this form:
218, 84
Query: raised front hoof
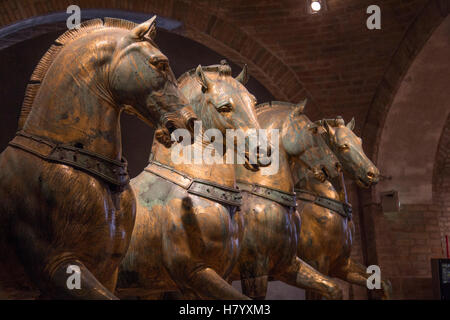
387, 290
335, 293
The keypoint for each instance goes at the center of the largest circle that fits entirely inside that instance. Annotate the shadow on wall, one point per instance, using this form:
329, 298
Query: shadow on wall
18, 62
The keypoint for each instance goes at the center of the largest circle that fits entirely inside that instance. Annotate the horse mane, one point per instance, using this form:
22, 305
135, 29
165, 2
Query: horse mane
49, 57
221, 69
331, 122
274, 106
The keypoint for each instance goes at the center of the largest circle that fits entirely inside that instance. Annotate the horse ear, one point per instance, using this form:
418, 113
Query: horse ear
202, 78
351, 124
299, 108
142, 29
331, 132
243, 76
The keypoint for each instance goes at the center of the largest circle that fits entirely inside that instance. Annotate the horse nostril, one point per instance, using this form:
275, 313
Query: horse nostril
264, 151
170, 126
189, 117
370, 175
190, 124
325, 172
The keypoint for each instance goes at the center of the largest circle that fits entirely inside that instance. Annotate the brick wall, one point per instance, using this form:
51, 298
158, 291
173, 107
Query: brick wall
441, 183
419, 31
406, 241
356, 292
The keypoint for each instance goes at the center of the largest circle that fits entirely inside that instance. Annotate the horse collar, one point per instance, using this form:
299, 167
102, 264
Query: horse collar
342, 208
203, 188
109, 170
284, 198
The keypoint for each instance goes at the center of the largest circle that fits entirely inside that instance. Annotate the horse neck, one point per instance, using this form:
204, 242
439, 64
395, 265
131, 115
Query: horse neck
218, 173
282, 180
74, 105
307, 181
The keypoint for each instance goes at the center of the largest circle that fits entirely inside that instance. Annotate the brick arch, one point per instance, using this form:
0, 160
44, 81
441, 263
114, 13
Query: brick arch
199, 24
441, 171
414, 39
373, 224
441, 181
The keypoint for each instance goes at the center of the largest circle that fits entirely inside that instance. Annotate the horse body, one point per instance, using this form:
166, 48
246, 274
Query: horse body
272, 224
67, 202
186, 240
178, 234
326, 235
55, 196
321, 228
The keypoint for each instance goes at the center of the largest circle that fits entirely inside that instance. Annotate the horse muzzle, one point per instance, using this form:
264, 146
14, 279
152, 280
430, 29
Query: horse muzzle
181, 119
368, 178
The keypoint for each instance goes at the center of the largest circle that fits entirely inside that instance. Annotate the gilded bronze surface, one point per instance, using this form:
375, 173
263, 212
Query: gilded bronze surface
53, 215
269, 246
181, 240
326, 237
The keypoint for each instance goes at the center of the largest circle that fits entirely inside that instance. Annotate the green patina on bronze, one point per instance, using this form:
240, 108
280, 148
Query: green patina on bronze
53, 215
326, 236
181, 240
269, 247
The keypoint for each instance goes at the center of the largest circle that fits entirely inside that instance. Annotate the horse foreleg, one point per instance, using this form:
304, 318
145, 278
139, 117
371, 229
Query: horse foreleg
302, 275
255, 288
311, 295
355, 273
53, 270
208, 284
90, 288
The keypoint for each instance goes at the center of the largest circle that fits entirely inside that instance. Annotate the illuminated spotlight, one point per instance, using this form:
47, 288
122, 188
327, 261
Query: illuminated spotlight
316, 6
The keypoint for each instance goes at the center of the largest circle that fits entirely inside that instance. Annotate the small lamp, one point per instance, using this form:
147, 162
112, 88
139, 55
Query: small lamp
316, 6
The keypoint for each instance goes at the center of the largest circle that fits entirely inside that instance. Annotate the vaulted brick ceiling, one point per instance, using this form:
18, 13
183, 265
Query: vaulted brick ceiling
333, 55
331, 58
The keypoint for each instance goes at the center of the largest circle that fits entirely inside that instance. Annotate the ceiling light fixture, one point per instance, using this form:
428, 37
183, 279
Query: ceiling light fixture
316, 6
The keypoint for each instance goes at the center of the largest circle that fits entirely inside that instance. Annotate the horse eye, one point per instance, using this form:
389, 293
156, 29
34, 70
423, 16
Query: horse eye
161, 65
225, 108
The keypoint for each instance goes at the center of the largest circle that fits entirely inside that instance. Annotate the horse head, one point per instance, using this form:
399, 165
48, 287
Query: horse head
223, 103
140, 78
302, 140
347, 146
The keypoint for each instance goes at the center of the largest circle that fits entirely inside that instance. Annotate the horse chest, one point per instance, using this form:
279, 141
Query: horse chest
117, 220
220, 228
270, 229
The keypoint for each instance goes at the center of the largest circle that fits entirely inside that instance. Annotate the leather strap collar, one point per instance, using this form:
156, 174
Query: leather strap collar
199, 187
279, 196
112, 171
342, 208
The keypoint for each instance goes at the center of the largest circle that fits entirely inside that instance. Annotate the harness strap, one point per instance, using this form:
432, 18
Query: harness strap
279, 196
112, 171
199, 187
342, 208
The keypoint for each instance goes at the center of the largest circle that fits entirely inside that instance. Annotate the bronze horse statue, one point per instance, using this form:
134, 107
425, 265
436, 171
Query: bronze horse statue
327, 227
67, 206
272, 226
188, 232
